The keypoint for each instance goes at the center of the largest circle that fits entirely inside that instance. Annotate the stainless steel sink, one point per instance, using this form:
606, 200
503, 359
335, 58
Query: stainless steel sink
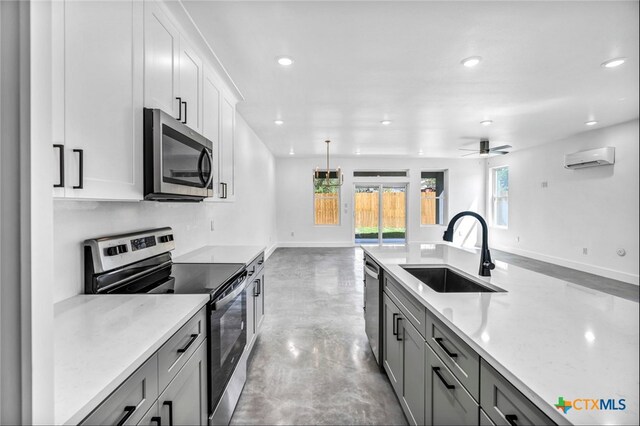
445, 280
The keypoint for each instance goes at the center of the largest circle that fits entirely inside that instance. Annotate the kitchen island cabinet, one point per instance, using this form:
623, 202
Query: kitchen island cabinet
502, 351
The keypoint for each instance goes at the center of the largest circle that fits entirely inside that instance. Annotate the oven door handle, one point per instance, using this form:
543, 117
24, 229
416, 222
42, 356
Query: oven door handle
229, 297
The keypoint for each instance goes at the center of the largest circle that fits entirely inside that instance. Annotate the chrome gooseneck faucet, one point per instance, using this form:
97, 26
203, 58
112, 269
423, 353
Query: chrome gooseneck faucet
486, 265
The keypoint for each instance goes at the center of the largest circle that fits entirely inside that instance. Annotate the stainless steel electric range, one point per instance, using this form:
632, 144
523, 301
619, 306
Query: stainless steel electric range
141, 262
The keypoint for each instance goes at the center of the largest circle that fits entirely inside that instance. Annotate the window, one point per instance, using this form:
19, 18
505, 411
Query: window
380, 173
500, 196
326, 199
432, 198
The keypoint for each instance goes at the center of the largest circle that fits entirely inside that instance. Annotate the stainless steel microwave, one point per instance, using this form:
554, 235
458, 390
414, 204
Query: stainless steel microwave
178, 162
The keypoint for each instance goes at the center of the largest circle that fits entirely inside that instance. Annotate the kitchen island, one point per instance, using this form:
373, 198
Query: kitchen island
547, 337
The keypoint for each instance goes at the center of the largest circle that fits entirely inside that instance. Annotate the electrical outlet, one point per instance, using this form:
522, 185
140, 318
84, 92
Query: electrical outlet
545, 184
213, 228
517, 239
585, 251
293, 234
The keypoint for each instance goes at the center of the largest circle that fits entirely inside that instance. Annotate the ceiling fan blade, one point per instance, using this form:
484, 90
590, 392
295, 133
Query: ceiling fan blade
466, 149
499, 152
498, 148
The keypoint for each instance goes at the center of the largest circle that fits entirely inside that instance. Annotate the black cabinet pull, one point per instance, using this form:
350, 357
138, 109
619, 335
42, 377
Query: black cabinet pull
437, 371
255, 289
259, 287
185, 112
398, 328
179, 109
170, 405
224, 190
81, 168
189, 343
157, 420
60, 183
260, 262
511, 419
444, 348
394, 331
128, 410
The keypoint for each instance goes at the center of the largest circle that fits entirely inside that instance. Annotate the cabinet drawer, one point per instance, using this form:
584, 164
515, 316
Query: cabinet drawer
416, 313
448, 402
463, 361
256, 265
175, 353
131, 400
151, 418
504, 404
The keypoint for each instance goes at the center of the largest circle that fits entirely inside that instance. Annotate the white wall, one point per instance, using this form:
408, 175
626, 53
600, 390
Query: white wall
248, 220
594, 208
295, 197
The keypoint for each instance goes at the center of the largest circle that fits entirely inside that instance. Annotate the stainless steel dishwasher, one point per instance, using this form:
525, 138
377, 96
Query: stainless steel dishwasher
372, 305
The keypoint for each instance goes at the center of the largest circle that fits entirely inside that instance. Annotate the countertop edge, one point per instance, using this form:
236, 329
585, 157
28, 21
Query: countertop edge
95, 402
542, 404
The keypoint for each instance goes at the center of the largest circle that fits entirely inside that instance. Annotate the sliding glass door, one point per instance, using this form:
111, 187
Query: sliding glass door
380, 213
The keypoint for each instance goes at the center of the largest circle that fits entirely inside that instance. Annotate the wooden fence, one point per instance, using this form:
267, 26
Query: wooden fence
394, 204
428, 208
327, 209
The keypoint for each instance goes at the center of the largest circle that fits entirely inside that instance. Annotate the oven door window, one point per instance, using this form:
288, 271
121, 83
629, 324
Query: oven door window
184, 161
228, 339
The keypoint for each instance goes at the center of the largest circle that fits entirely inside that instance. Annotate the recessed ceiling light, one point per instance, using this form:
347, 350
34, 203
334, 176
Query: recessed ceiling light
278, 122
420, 152
612, 63
486, 122
285, 61
292, 152
471, 61
385, 122
358, 152
591, 123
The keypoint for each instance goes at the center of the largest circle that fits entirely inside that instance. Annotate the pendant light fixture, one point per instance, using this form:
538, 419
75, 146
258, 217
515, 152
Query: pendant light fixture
317, 174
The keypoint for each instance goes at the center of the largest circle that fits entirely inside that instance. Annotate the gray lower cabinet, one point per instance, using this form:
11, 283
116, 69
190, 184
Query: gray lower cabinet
128, 404
447, 402
485, 420
504, 404
184, 401
259, 306
413, 351
177, 372
392, 348
152, 417
404, 360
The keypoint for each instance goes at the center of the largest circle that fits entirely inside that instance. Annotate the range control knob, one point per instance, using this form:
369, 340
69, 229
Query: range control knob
166, 238
111, 251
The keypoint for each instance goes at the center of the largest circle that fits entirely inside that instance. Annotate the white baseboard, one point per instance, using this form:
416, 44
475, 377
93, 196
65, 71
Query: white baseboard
269, 251
597, 270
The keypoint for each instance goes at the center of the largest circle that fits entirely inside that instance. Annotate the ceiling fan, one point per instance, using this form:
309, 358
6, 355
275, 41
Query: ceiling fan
485, 150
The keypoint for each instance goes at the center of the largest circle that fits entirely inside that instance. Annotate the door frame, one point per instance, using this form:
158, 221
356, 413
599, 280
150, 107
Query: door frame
382, 184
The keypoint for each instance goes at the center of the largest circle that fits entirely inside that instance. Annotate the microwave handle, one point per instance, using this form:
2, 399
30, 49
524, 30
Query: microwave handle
210, 157
200, 175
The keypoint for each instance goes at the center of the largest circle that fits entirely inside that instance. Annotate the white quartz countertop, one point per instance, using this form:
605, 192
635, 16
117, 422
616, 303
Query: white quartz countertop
221, 254
100, 340
549, 337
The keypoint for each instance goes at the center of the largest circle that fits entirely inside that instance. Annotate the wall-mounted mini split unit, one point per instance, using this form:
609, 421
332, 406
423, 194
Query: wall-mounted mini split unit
590, 158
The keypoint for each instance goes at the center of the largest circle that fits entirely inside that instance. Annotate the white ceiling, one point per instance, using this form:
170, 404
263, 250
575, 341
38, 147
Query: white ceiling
357, 63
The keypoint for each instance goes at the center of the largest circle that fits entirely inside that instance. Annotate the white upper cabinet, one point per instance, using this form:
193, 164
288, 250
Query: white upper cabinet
227, 148
97, 98
161, 59
190, 86
211, 118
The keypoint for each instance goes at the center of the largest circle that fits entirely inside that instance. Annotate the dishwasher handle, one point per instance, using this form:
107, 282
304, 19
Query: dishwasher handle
372, 273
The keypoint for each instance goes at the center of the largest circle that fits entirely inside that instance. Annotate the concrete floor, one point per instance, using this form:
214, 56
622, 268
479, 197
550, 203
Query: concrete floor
312, 363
